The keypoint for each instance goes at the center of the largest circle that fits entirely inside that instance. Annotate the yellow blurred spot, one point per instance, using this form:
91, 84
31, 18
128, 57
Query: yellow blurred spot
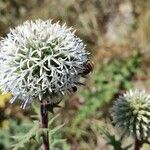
5, 124
4, 98
145, 147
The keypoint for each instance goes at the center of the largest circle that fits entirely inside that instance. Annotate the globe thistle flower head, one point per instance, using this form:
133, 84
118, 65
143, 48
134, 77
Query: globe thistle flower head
131, 113
41, 60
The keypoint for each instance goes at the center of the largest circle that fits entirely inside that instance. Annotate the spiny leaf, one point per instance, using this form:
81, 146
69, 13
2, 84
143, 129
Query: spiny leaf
56, 142
52, 120
55, 129
117, 144
21, 140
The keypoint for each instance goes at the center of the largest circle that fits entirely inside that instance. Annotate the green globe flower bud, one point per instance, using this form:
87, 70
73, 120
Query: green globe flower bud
131, 113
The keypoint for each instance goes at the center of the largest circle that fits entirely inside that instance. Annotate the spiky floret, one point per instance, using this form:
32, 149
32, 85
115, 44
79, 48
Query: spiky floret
41, 60
131, 113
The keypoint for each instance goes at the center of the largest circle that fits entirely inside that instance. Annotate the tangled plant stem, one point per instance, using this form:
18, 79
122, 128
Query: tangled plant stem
44, 124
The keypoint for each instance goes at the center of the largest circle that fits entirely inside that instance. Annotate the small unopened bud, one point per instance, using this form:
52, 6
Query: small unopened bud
131, 113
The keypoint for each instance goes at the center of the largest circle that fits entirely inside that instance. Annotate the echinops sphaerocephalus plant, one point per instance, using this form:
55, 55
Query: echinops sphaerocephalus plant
131, 113
41, 60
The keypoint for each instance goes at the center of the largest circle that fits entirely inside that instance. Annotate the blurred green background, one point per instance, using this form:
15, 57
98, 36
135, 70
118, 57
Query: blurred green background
117, 35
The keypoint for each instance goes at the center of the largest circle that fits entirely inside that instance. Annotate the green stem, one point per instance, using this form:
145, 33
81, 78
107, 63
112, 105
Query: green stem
44, 124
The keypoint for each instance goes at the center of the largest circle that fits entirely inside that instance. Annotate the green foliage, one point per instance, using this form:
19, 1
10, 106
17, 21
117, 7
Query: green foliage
19, 129
111, 140
54, 139
22, 139
33, 136
108, 79
4, 140
27, 134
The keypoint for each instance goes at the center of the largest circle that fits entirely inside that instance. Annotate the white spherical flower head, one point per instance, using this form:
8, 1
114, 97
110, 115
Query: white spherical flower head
41, 60
131, 113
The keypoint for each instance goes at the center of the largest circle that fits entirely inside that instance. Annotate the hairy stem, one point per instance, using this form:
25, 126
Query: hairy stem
138, 144
44, 124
